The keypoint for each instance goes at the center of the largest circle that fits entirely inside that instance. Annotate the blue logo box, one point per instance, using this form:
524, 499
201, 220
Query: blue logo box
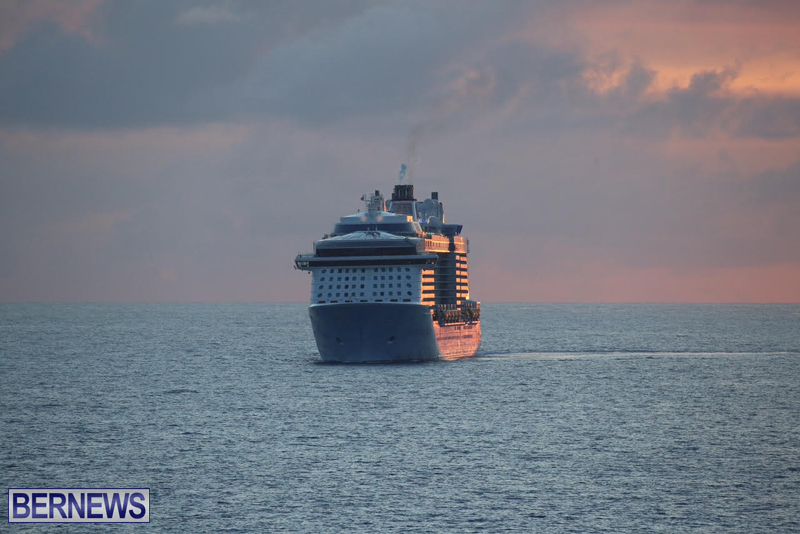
78, 505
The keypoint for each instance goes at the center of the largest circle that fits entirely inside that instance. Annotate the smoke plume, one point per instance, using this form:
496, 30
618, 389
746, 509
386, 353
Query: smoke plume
466, 93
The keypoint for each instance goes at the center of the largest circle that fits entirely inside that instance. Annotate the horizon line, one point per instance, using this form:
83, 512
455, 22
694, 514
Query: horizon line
307, 303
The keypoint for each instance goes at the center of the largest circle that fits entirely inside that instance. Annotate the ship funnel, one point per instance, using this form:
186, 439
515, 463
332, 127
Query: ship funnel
403, 192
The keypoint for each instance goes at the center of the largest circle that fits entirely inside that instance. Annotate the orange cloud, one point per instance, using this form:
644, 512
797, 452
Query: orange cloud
681, 38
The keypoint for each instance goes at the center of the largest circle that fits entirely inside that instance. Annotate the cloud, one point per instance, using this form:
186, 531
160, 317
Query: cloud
18, 16
394, 65
164, 63
680, 38
208, 15
387, 60
772, 117
707, 106
410, 66
150, 69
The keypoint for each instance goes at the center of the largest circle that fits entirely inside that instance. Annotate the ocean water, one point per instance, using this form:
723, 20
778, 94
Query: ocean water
573, 418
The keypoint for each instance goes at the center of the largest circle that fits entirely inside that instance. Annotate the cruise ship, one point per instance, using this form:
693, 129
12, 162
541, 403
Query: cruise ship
391, 284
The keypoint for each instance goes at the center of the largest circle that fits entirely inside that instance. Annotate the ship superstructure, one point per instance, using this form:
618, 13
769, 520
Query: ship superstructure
391, 283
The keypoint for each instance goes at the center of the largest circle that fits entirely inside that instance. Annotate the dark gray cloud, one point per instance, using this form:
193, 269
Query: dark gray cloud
397, 63
163, 63
154, 57
707, 106
390, 59
768, 117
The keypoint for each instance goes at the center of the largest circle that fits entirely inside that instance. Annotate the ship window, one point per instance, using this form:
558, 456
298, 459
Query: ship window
407, 269
363, 270
340, 270
347, 278
329, 294
330, 287
322, 279
390, 293
339, 278
374, 277
345, 294
383, 278
408, 285
337, 294
391, 285
373, 293
381, 293
383, 269
321, 287
338, 287
391, 277
408, 277
362, 286
409, 292
382, 285
362, 277
324, 271
362, 294
319, 295
347, 286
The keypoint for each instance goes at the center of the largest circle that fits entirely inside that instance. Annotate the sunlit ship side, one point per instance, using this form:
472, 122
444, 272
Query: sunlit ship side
392, 284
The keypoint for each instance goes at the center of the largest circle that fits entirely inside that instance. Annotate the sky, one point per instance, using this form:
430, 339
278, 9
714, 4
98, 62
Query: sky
614, 151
